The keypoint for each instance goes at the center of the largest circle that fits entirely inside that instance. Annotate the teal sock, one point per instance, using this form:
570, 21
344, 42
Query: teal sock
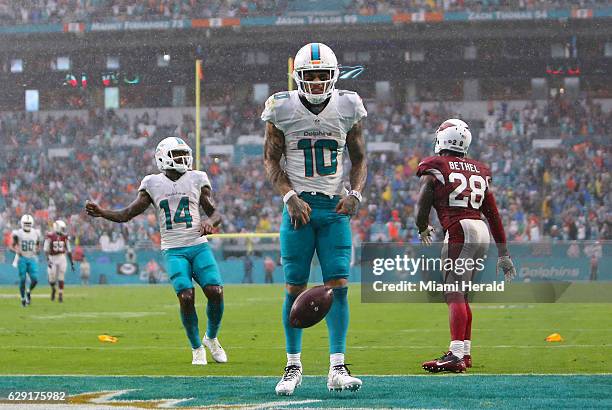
190, 323
338, 320
293, 336
214, 312
22, 288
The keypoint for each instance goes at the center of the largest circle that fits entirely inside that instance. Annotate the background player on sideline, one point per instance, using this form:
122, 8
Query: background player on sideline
26, 244
57, 247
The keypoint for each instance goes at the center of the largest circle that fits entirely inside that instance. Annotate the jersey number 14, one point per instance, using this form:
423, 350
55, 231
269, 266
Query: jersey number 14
319, 146
182, 214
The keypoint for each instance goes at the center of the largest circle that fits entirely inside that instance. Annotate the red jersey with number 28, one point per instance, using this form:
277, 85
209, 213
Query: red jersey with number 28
460, 189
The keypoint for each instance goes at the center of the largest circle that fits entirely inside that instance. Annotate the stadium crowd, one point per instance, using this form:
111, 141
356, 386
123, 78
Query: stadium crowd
561, 193
68, 11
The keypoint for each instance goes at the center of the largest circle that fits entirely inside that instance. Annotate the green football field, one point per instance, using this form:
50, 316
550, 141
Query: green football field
48, 338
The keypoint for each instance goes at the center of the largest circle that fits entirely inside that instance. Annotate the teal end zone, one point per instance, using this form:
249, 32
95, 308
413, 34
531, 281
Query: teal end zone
435, 391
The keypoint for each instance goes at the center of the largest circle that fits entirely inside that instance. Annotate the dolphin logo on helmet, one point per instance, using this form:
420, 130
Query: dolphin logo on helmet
173, 153
315, 57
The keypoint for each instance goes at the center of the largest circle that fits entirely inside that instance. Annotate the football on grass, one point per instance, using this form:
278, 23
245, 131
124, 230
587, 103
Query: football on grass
311, 306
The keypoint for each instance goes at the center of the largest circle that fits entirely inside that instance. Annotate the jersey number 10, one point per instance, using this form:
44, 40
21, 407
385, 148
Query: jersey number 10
319, 156
181, 215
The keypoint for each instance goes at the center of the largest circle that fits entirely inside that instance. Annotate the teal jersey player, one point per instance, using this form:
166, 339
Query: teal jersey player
177, 194
26, 245
311, 128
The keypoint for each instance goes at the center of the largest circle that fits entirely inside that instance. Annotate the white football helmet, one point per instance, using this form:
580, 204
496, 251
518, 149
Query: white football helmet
453, 135
27, 222
59, 227
315, 57
173, 153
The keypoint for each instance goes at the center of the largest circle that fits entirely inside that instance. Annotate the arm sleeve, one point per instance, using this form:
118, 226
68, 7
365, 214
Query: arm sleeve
203, 180
68, 247
268, 113
360, 111
429, 167
47, 245
489, 210
144, 185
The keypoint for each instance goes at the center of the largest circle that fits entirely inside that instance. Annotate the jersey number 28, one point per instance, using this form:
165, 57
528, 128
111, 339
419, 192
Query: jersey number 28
182, 213
472, 197
319, 156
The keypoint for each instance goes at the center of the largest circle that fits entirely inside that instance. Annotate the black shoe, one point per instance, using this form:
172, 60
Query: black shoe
52, 294
28, 298
447, 363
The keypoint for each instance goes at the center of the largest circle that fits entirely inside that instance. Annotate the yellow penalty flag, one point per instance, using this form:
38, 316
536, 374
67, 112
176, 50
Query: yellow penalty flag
107, 339
555, 337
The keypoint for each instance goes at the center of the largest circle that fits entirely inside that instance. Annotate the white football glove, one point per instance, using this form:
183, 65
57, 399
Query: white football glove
505, 264
426, 235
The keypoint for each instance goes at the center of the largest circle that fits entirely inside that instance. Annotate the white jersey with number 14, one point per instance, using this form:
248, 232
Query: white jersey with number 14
178, 207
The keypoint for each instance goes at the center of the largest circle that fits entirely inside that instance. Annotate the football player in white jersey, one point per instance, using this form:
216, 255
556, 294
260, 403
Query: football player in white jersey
26, 244
311, 128
177, 193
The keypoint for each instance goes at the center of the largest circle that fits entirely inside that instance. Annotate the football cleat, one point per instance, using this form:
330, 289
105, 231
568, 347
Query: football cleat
199, 356
28, 298
23, 302
216, 351
52, 294
60, 298
340, 378
447, 363
291, 379
468, 360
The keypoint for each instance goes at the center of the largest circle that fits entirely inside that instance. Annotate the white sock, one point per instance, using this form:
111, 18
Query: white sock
336, 359
456, 348
467, 347
293, 359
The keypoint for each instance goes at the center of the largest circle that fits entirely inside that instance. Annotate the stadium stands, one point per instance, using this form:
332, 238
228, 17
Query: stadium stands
68, 11
561, 193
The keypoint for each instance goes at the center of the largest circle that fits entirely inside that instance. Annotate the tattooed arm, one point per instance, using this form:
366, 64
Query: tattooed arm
359, 169
274, 148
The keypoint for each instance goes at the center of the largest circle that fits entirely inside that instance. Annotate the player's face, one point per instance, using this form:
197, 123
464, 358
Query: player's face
317, 76
180, 156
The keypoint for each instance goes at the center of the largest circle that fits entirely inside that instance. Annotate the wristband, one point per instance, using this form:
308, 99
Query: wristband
288, 195
356, 194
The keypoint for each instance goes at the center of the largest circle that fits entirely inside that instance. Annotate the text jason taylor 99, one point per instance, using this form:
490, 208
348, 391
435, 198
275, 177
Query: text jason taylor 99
405, 263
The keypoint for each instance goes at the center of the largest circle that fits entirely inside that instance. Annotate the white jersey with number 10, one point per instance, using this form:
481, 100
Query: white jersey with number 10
314, 144
178, 207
